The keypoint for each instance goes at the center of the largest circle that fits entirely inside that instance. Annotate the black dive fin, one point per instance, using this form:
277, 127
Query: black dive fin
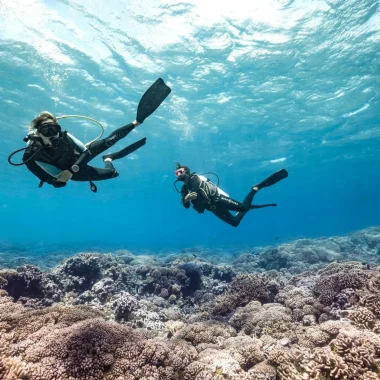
152, 99
274, 178
261, 206
127, 150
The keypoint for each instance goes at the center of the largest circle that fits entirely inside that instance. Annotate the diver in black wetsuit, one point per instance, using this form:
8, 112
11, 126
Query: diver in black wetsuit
50, 145
55, 156
204, 195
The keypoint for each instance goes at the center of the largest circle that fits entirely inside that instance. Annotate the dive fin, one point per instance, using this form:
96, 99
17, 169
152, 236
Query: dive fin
273, 179
127, 150
261, 206
152, 99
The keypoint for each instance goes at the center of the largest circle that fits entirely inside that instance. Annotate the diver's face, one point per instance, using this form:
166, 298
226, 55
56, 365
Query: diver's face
48, 131
180, 174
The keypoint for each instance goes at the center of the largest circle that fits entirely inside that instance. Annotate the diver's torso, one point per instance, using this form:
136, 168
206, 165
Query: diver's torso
205, 187
63, 155
205, 190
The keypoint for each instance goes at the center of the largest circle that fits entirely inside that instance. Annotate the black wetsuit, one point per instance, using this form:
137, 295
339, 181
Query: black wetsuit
66, 153
208, 198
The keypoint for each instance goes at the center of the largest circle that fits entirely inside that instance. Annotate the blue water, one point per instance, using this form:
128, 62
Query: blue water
256, 86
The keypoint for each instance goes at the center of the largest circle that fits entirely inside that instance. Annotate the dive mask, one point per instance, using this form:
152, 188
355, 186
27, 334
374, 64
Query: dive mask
49, 129
180, 173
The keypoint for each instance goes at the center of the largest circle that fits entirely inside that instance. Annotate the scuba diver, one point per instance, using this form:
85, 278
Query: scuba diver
55, 156
205, 195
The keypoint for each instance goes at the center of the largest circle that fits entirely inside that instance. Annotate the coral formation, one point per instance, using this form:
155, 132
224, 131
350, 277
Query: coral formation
243, 289
291, 312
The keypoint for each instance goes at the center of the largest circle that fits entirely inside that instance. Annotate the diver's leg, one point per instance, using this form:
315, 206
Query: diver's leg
249, 198
109, 165
96, 174
100, 146
125, 151
227, 217
245, 206
228, 203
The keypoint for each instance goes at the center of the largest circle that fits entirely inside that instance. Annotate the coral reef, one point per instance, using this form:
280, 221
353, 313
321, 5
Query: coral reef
299, 311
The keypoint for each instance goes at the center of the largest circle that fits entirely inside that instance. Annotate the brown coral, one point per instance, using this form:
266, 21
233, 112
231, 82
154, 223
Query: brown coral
246, 350
75, 343
215, 364
372, 302
275, 340
353, 355
327, 287
272, 319
350, 276
204, 332
263, 371
243, 289
13, 369
363, 318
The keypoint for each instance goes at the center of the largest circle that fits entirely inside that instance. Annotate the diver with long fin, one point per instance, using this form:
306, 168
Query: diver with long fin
205, 195
55, 156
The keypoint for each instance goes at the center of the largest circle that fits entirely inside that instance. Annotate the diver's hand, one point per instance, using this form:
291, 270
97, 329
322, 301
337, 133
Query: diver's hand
58, 184
191, 196
64, 176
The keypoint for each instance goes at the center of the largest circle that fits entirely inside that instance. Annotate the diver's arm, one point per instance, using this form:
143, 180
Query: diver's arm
30, 155
184, 192
185, 204
42, 175
32, 151
36, 169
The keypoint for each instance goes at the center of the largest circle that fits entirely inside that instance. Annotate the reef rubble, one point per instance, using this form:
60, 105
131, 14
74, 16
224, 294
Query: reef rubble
308, 309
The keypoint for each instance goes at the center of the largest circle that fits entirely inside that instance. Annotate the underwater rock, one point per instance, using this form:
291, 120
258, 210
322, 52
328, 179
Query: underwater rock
194, 273
25, 281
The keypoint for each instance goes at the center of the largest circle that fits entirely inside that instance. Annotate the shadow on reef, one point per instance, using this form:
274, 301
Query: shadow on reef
182, 317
